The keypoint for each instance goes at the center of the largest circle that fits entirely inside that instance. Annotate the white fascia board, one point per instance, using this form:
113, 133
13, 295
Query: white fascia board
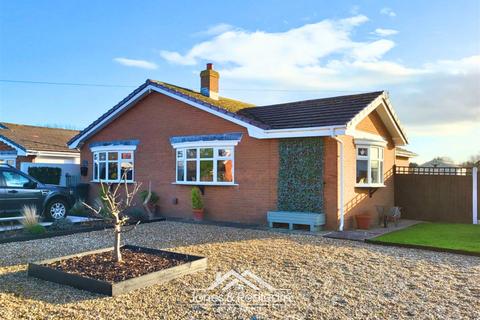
368, 142
20, 152
405, 154
253, 131
54, 154
8, 156
149, 88
382, 101
358, 134
114, 148
200, 144
300, 132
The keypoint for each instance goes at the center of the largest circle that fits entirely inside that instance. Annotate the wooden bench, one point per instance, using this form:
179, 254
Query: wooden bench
315, 221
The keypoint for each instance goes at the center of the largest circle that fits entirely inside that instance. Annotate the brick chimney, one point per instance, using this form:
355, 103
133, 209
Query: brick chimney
209, 82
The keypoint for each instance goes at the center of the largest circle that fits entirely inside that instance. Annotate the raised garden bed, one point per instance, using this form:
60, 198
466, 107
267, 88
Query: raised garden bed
95, 271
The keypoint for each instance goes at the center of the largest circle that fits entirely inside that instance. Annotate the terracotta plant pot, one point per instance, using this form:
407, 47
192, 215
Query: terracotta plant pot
363, 221
198, 214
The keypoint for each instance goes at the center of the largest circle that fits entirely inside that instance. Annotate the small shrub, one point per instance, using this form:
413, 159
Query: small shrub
30, 217
35, 229
136, 214
47, 175
79, 209
153, 197
61, 224
197, 202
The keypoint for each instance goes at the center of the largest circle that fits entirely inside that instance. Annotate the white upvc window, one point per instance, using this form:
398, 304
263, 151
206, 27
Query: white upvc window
205, 165
369, 165
113, 165
9, 160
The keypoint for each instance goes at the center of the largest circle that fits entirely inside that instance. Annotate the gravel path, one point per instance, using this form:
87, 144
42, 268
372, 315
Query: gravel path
324, 278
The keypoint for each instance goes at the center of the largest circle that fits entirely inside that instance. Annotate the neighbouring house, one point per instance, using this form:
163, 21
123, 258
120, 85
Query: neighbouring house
330, 155
403, 156
32, 144
440, 162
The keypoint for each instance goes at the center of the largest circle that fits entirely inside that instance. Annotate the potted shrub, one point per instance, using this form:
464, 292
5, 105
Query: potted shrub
197, 204
363, 221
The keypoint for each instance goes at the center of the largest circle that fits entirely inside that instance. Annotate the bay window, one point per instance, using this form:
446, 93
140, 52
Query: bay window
113, 163
205, 165
369, 165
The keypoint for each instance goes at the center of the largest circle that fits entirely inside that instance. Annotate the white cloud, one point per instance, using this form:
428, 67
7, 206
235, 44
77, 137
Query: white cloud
388, 12
384, 32
215, 30
314, 60
136, 63
320, 55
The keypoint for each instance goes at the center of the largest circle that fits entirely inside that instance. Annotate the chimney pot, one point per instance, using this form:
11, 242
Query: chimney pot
209, 66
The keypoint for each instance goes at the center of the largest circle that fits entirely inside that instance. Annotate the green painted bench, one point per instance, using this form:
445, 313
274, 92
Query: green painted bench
315, 221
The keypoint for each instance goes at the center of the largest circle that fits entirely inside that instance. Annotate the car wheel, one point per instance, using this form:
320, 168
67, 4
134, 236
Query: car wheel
56, 209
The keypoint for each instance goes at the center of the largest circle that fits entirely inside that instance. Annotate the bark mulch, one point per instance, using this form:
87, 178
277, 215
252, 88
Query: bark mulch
100, 266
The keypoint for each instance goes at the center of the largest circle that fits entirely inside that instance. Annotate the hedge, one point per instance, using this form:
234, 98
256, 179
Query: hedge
47, 175
300, 177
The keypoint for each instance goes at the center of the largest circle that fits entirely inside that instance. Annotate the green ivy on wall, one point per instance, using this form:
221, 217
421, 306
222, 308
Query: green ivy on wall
300, 177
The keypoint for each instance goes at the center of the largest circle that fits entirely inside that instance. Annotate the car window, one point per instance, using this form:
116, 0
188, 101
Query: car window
14, 180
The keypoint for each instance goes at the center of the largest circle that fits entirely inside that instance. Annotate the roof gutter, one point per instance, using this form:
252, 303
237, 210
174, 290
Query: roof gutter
342, 184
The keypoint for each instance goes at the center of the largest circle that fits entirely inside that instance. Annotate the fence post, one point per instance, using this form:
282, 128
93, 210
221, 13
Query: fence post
475, 195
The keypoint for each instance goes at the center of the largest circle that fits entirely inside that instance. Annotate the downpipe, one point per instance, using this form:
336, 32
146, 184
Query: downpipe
341, 204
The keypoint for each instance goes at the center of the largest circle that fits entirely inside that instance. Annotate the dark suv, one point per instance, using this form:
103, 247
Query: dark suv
18, 189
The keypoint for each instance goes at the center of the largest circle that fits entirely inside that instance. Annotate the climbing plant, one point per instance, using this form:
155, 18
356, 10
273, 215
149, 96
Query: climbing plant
300, 177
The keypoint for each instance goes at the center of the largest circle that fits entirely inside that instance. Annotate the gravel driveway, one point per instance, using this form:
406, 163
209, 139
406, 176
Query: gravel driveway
323, 278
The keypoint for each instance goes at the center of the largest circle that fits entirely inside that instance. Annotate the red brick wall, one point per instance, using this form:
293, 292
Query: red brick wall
402, 161
330, 175
357, 200
24, 159
154, 120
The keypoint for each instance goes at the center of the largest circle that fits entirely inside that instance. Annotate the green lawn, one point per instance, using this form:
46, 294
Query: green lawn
464, 237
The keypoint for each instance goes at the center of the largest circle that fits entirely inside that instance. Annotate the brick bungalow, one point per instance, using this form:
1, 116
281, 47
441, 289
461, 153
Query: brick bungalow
23, 143
331, 155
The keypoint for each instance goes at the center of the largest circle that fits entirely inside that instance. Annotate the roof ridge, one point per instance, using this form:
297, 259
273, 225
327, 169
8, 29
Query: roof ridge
6, 124
196, 92
320, 99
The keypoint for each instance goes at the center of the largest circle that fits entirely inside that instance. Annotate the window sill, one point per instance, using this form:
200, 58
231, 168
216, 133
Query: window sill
229, 184
111, 181
370, 185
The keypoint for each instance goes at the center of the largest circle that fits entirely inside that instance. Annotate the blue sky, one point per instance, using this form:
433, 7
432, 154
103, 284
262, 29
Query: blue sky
425, 53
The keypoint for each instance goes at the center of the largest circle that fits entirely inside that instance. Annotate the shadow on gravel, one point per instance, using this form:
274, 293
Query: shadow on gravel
398, 253
157, 235
22, 286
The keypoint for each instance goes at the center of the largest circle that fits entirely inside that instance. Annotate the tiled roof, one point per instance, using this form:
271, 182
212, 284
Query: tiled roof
311, 113
224, 103
37, 138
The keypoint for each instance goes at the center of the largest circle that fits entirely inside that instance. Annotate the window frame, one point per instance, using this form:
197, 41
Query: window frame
112, 149
198, 159
369, 158
3, 180
5, 158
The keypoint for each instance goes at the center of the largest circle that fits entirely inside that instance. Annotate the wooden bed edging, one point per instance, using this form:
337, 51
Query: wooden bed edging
422, 247
41, 271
